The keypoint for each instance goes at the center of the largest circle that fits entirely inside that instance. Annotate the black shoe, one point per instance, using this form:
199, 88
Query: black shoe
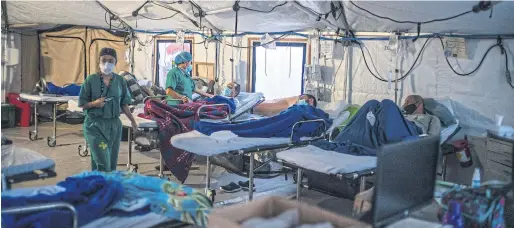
245, 185
164, 168
230, 188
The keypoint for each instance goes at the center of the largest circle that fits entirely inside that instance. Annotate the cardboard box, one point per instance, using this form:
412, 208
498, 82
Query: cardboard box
233, 216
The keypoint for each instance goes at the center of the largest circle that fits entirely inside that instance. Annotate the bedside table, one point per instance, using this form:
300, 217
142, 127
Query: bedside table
498, 165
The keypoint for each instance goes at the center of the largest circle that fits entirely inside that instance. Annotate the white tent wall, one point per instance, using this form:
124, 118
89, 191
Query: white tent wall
23, 76
476, 98
11, 70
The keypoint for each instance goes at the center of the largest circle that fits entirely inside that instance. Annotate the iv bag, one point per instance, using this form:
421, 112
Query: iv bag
180, 37
393, 42
312, 73
268, 41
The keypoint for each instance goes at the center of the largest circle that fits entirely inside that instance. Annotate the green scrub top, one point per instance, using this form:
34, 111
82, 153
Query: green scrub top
92, 90
180, 82
102, 126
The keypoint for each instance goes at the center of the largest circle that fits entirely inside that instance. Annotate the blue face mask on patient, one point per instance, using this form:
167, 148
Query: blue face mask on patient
227, 92
302, 102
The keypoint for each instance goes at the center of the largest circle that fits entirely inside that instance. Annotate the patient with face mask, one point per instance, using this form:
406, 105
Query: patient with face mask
414, 111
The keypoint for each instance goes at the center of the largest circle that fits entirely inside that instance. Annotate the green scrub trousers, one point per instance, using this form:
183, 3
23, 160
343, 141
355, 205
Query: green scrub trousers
181, 83
102, 126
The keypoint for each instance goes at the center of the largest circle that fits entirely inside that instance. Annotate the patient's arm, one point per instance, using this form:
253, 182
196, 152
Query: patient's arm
274, 107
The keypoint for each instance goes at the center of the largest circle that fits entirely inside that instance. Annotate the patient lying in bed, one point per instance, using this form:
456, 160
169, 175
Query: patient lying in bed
414, 107
274, 107
375, 124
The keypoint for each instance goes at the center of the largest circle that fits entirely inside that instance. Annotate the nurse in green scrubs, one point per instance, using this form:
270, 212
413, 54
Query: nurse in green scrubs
179, 84
103, 96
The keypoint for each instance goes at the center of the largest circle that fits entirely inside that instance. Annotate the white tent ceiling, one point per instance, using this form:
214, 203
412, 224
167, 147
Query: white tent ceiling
293, 16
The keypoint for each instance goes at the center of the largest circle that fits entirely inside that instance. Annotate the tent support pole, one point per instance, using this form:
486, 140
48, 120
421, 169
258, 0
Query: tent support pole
109, 11
133, 47
324, 21
5, 18
216, 63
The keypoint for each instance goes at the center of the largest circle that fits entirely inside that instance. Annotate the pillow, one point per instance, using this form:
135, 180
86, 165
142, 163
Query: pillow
442, 112
335, 108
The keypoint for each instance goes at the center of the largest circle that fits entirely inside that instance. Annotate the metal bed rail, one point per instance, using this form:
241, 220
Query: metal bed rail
213, 105
361, 175
42, 207
33, 135
259, 149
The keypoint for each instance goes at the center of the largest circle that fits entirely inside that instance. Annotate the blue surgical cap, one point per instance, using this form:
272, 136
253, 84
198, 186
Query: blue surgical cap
183, 57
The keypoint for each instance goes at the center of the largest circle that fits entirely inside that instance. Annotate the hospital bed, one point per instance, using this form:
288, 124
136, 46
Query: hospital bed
247, 101
20, 164
109, 220
224, 142
347, 167
43, 99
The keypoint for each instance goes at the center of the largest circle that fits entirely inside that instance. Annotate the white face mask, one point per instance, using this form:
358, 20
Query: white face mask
106, 68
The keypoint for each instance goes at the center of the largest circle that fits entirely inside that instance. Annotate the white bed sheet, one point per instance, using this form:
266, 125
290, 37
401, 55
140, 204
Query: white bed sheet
247, 101
42, 98
141, 122
219, 142
324, 161
18, 160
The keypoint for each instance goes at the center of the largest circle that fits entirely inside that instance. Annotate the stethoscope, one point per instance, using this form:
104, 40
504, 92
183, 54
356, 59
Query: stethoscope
108, 87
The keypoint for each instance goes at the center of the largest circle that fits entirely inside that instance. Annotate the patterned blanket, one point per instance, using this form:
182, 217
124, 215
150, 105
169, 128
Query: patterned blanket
173, 120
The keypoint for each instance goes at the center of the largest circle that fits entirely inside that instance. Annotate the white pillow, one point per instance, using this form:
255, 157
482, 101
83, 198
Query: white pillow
335, 108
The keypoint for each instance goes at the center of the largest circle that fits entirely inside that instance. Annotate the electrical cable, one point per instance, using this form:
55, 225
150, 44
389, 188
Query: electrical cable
411, 22
373, 62
10, 30
404, 76
110, 24
479, 64
275, 39
262, 11
157, 19
337, 8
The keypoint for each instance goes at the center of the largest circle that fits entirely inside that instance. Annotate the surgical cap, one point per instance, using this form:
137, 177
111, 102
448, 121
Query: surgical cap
108, 51
183, 57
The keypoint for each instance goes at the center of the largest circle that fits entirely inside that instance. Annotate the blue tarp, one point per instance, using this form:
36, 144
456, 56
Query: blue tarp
69, 90
360, 137
276, 126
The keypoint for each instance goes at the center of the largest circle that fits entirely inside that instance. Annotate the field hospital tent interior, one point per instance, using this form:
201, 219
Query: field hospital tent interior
459, 52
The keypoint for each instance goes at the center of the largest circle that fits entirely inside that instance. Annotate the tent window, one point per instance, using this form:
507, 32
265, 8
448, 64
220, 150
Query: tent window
278, 72
166, 52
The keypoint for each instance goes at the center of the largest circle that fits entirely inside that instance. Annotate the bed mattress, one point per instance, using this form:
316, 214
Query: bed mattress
17, 160
220, 142
328, 162
50, 99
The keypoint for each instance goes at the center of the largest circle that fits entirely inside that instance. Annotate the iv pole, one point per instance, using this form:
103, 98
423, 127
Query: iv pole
396, 70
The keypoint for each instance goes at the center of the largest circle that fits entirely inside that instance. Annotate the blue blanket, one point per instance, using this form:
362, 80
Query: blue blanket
374, 125
223, 100
69, 90
91, 196
144, 194
276, 126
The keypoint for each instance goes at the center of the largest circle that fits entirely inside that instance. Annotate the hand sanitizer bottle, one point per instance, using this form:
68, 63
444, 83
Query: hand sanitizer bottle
475, 183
